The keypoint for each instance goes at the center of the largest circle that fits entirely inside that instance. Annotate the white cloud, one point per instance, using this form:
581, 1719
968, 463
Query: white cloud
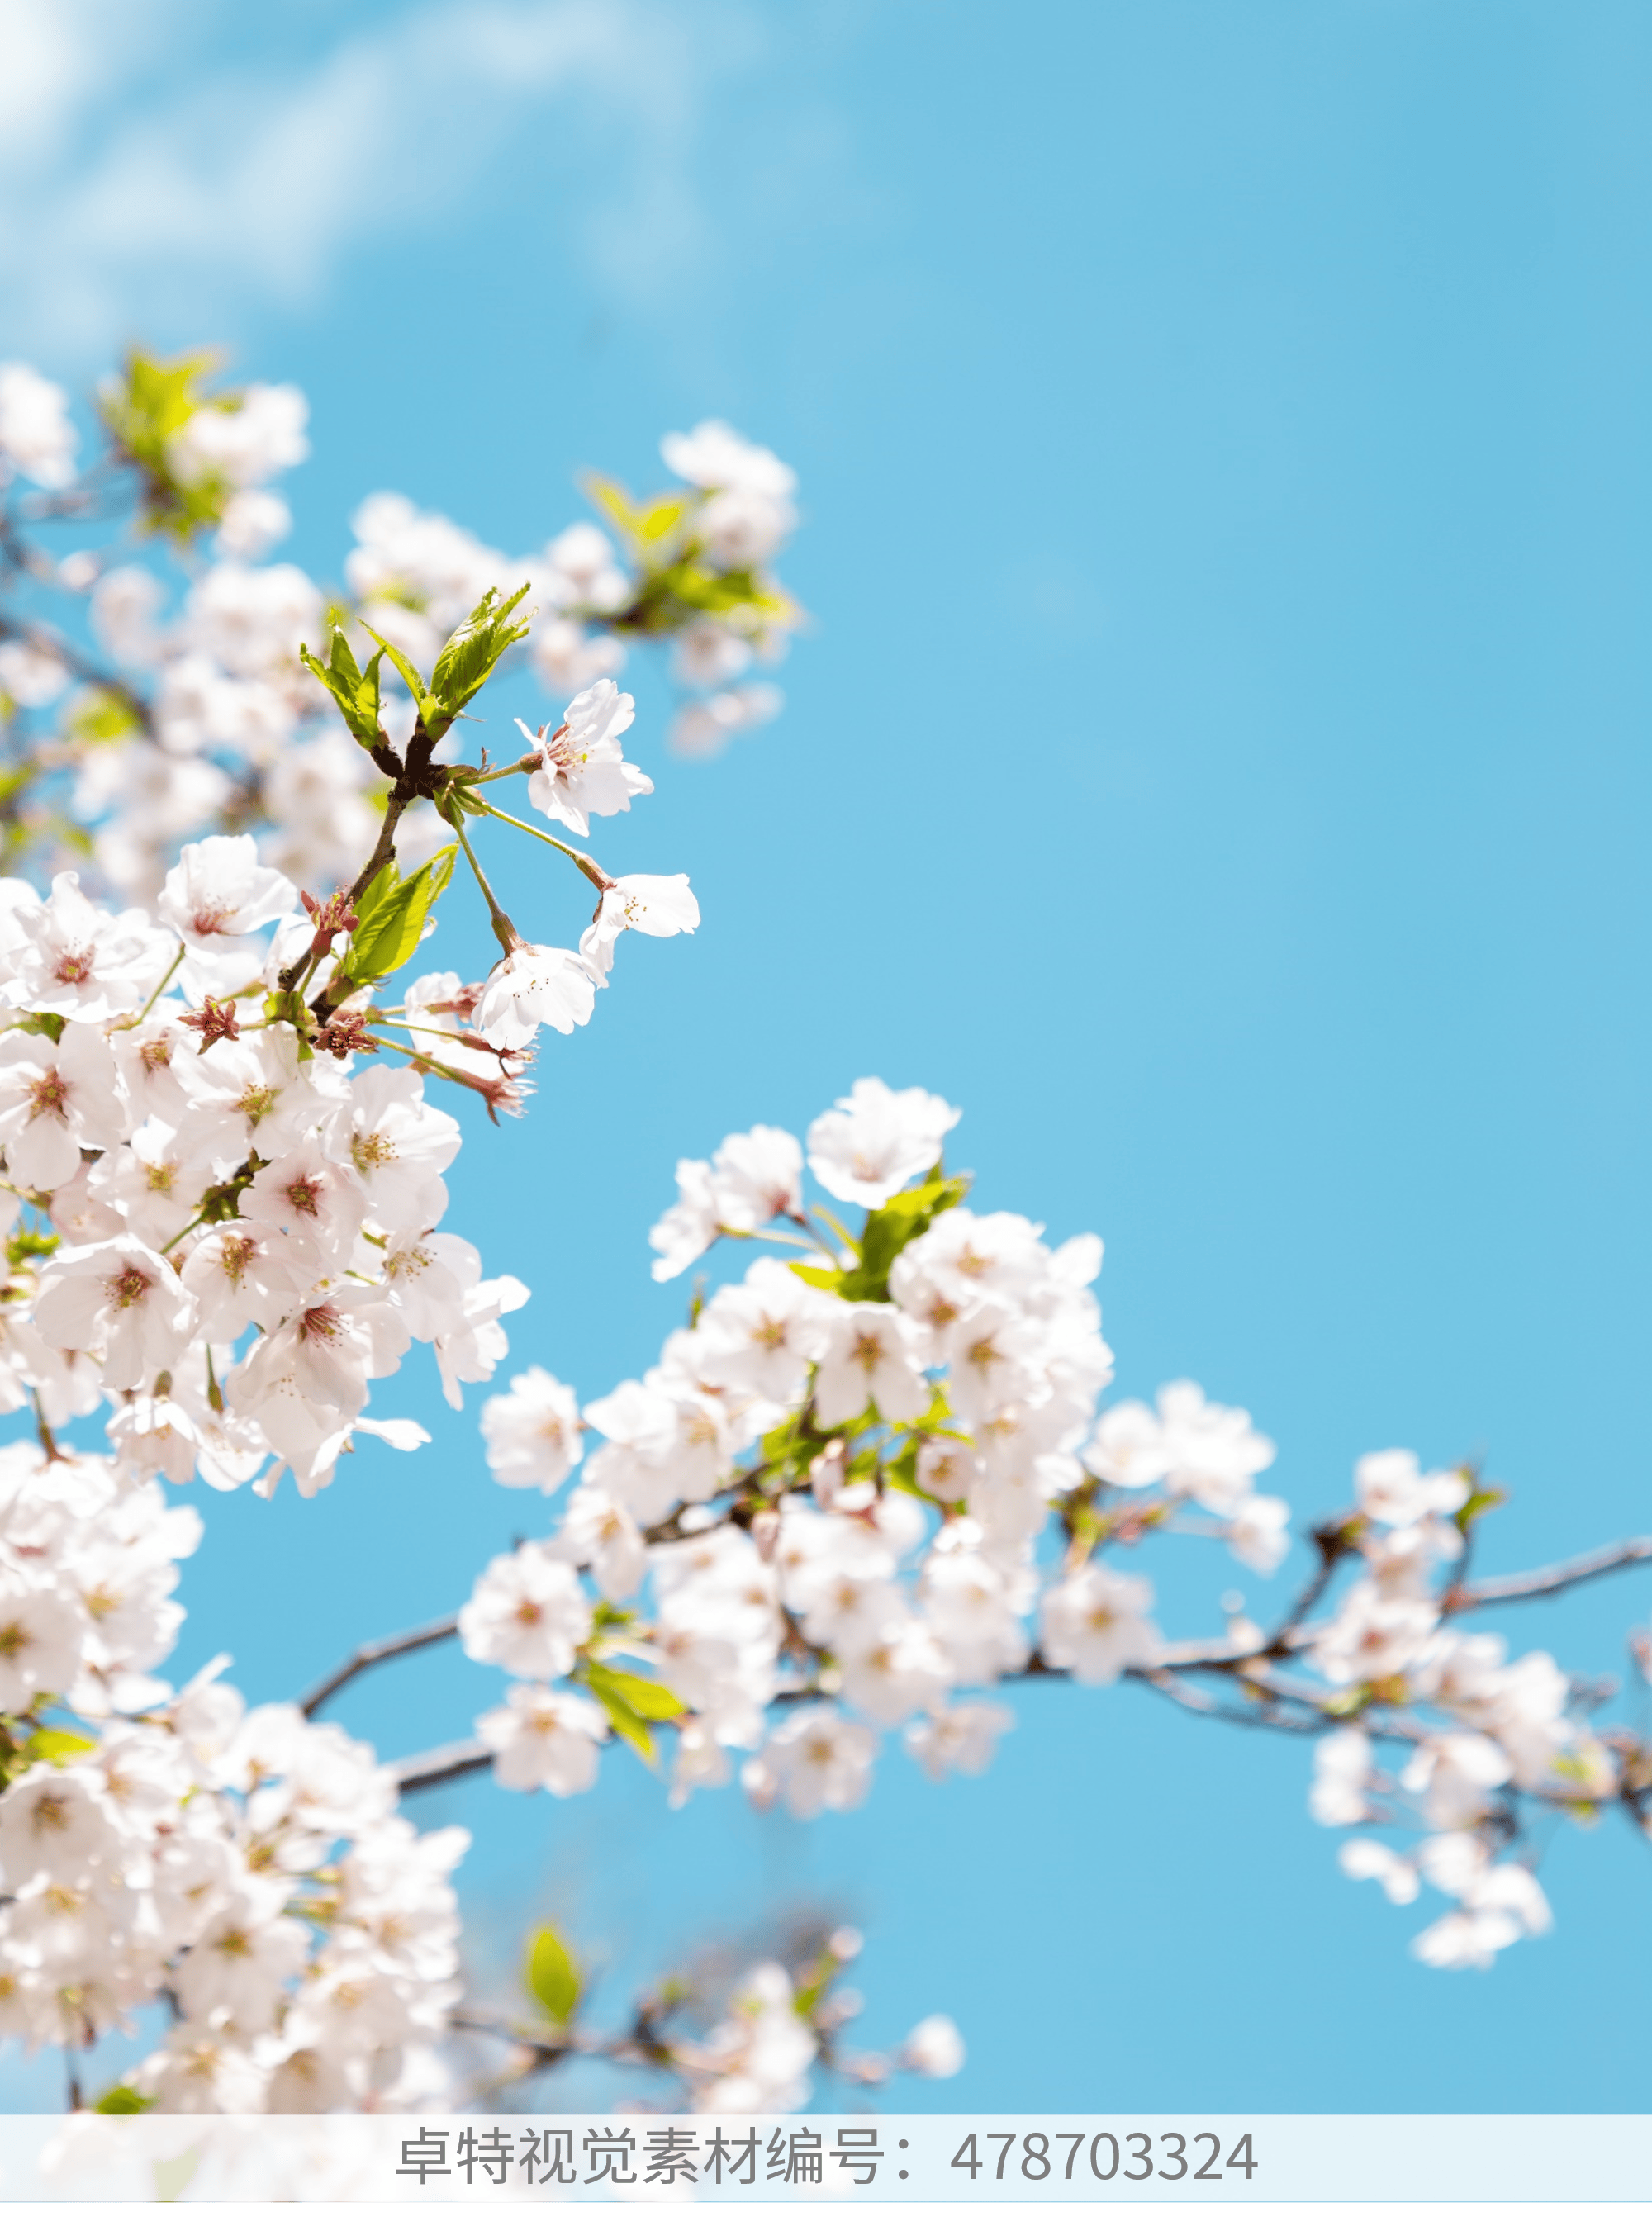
147, 175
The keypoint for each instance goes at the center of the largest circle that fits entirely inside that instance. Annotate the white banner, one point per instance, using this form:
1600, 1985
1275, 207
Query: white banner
1134, 2157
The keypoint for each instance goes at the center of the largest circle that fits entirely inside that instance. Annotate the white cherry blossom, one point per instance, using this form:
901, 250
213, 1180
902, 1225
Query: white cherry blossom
1094, 1623
119, 1299
658, 906
54, 1099
868, 1358
218, 894
536, 984
581, 770
527, 1613
532, 1433
36, 433
544, 1738
815, 1762
869, 1144
71, 958
689, 1226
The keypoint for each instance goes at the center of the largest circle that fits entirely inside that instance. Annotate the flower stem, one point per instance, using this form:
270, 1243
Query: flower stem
177, 962
504, 929
53, 1454
586, 866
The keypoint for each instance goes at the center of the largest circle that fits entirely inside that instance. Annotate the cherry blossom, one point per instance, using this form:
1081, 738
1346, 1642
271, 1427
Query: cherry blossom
36, 434
534, 984
217, 895
118, 1299
532, 1433
527, 1613
1093, 1623
581, 770
868, 1146
544, 1738
55, 1099
658, 906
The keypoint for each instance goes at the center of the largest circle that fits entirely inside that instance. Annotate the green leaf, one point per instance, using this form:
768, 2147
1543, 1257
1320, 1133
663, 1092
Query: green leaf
391, 917
649, 1700
471, 654
121, 2099
613, 500
789, 1447
816, 1274
31, 1247
101, 716
44, 1026
354, 693
889, 1229
658, 520
552, 1977
408, 673
1482, 1500
699, 589
52, 1744
143, 408
624, 1718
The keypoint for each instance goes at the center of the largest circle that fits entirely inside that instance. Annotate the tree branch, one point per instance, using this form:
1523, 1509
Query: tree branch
374, 1654
1549, 1580
449, 1762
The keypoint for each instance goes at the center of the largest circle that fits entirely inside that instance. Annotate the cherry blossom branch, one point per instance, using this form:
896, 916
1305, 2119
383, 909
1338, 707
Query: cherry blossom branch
1550, 1580
376, 1653
640, 2047
448, 1763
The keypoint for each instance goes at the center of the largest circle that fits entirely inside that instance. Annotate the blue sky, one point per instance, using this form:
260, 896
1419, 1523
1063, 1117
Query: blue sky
1218, 765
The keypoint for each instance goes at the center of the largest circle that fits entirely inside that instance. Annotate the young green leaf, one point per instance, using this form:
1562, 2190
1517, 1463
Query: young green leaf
53, 1743
147, 407
121, 2099
649, 1700
659, 517
816, 1274
143, 409
552, 1977
624, 1718
901, 1218
610, 497
1476, 1505
354, 693
101, 716
408, 673
391, 917
469, 656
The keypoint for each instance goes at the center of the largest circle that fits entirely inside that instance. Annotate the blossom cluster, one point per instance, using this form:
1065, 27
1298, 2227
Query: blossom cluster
248, 1865
737, 2038
872, 1475
1483, 1737
214, 1230
821, 1515
143, 704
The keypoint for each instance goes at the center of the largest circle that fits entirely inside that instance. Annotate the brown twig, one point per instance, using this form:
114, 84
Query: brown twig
375, 1653
448, 1763
1550, 1580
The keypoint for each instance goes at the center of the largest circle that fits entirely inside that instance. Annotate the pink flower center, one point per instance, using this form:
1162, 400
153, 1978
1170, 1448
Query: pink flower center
47, 1096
